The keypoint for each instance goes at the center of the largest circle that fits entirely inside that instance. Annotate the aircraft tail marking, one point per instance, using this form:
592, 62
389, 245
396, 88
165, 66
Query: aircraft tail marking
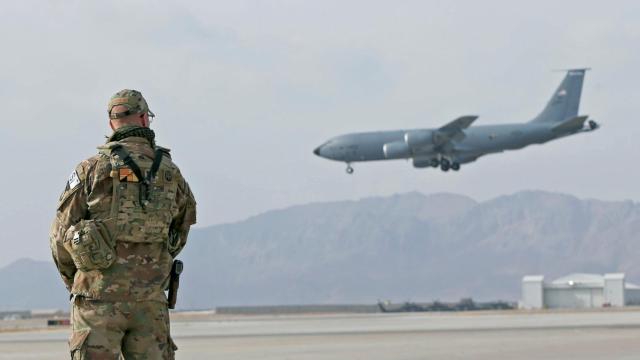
565, 101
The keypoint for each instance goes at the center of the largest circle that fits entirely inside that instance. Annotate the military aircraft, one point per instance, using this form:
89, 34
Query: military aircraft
458, 142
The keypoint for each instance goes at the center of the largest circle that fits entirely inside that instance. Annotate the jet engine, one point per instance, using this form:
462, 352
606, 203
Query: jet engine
438, 138
396, 150
418, 138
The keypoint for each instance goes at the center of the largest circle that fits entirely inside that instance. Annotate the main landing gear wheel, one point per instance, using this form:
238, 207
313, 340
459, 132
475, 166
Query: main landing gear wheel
349, 169
455, 166
445, 165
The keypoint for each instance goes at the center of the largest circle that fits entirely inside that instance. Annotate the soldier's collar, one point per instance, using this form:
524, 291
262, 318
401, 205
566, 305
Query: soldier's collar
133, 131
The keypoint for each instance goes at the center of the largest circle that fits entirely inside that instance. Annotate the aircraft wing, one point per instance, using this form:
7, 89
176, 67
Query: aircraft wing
453, 130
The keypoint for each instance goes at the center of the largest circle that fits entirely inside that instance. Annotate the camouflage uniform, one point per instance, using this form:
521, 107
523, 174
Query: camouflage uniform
114, 239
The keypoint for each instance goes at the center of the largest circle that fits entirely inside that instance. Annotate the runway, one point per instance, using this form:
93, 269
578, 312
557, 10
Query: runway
607, 334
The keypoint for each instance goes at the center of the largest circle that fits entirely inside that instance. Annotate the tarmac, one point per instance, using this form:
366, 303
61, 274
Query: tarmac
602, 334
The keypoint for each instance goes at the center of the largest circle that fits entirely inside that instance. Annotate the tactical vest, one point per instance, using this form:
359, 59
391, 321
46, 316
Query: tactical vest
144, 194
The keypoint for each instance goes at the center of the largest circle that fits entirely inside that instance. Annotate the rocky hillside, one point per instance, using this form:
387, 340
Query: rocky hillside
404, 247
409, 246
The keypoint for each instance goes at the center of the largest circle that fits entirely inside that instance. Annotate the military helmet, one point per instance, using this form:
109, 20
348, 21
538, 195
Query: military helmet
133, 100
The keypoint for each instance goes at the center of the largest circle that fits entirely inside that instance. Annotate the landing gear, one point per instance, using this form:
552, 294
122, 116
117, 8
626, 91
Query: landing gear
349, 169
445, 165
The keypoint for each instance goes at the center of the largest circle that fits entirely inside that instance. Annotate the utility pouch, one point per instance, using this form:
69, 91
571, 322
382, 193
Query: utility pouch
91, 245
174, 241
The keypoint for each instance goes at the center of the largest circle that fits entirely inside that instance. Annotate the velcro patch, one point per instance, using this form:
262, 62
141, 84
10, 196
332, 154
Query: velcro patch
74, 180
126, 174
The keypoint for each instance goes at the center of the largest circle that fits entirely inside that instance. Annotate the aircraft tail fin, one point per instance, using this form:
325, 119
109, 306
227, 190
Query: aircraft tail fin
565, 101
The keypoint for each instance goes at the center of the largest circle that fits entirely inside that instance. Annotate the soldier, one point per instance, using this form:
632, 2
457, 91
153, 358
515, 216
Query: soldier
122, 219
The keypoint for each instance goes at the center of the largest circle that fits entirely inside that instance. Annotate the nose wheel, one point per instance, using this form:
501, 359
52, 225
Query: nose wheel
349, 169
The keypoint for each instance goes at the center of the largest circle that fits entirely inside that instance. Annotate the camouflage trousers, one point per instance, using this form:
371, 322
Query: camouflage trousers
120, 330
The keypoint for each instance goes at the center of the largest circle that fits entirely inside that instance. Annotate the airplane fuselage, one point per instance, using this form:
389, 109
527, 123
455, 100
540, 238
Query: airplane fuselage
458, 142
368, 146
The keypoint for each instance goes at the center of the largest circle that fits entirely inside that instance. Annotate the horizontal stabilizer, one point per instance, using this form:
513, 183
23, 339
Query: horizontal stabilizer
572, 124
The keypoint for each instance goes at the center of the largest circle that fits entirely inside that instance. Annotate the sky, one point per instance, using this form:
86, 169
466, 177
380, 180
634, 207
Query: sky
245, 90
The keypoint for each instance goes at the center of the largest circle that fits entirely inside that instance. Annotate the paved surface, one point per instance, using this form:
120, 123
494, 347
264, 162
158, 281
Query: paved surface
510, 335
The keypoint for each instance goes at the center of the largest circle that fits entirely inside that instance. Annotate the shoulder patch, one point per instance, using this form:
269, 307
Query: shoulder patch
74, 180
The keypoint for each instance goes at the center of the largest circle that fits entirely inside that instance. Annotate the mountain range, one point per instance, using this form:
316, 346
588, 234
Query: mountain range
402, 247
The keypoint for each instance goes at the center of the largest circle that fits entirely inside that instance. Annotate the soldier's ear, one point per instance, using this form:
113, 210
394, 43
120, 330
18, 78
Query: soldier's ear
145, 119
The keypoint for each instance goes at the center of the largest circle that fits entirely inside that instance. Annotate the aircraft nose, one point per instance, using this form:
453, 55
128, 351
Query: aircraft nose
317, 150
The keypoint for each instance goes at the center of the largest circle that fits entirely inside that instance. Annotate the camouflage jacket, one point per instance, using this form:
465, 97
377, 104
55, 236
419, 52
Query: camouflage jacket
146, 236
